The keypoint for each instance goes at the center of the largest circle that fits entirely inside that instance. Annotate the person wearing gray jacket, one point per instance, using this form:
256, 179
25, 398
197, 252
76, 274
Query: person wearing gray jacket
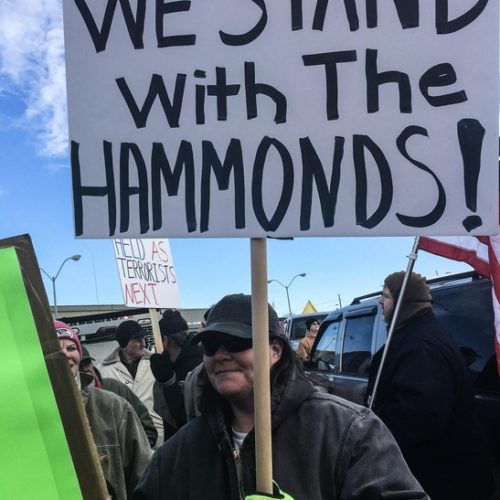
122, 446
121, 443
324, 448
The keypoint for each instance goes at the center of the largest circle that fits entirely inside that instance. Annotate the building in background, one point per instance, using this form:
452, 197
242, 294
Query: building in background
96, 325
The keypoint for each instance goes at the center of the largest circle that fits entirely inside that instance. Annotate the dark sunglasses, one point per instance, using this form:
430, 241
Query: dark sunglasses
232, 344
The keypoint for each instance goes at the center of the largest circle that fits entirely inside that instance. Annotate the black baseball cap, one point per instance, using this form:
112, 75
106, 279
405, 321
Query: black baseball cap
232, 315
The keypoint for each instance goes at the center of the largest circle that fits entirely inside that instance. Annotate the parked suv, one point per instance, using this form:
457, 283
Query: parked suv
294, 327
348, 338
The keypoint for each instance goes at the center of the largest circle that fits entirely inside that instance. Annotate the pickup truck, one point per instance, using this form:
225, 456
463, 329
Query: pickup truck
349, 337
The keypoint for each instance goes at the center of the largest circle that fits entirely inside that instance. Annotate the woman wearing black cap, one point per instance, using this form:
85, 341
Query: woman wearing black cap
323, 447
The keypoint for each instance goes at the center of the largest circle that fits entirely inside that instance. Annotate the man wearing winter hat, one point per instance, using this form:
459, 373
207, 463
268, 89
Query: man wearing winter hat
130, 363
425, 397
170, 368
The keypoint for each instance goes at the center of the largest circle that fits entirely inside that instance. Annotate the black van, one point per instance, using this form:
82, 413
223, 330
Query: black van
348, 338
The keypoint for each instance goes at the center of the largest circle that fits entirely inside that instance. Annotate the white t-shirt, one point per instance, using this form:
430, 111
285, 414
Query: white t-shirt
238, 438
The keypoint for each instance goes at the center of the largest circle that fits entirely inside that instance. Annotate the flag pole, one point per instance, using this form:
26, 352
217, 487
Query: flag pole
262, 390
411, 262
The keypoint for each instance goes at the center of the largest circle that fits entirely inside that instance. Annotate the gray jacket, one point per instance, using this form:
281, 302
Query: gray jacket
113, 385
324, 448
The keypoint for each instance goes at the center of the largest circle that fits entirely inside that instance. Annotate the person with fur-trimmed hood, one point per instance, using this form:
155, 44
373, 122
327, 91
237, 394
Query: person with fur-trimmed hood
119, 388
426, 399
130, 363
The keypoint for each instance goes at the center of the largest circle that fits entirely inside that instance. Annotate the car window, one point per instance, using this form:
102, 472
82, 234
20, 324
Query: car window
466, 312
324, 355
298, 328
356, 349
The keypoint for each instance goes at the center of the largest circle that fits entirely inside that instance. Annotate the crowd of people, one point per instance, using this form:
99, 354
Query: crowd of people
180, 425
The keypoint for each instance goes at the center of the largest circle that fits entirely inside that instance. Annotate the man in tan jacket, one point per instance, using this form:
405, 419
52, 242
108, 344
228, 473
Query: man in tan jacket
129, 363
305, 346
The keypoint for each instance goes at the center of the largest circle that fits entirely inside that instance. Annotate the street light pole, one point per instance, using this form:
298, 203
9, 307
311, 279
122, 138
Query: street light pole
286, 287
288, 300
53, 278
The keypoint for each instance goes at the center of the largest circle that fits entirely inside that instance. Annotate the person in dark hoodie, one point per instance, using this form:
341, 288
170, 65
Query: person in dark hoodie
170, 368
426, 399
324, 447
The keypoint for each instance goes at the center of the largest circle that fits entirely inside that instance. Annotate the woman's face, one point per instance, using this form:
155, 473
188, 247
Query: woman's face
231, 373
69, 349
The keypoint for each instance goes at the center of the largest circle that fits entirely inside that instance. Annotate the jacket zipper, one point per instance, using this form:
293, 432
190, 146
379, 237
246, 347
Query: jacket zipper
237, 460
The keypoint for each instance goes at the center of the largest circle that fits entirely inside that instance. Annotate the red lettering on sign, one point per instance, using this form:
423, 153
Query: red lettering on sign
138, 294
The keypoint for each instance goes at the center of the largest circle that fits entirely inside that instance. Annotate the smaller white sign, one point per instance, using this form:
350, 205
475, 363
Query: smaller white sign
147, 273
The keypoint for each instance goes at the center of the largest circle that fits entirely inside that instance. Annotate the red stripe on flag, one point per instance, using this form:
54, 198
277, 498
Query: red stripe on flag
467, 249
494, 254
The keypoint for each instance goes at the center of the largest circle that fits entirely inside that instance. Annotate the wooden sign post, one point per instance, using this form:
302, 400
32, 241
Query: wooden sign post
262, 391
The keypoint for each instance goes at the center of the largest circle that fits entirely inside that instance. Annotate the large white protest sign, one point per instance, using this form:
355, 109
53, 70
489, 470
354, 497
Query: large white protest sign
147, 273
283, 117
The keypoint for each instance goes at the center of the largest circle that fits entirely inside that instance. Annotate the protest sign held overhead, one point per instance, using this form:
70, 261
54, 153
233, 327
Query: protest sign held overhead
278, 118
147, 273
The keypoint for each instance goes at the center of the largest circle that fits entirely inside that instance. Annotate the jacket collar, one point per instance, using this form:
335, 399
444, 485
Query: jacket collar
288, 396
114, 357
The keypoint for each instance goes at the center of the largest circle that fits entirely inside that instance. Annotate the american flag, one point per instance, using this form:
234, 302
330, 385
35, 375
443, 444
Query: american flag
480, 252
